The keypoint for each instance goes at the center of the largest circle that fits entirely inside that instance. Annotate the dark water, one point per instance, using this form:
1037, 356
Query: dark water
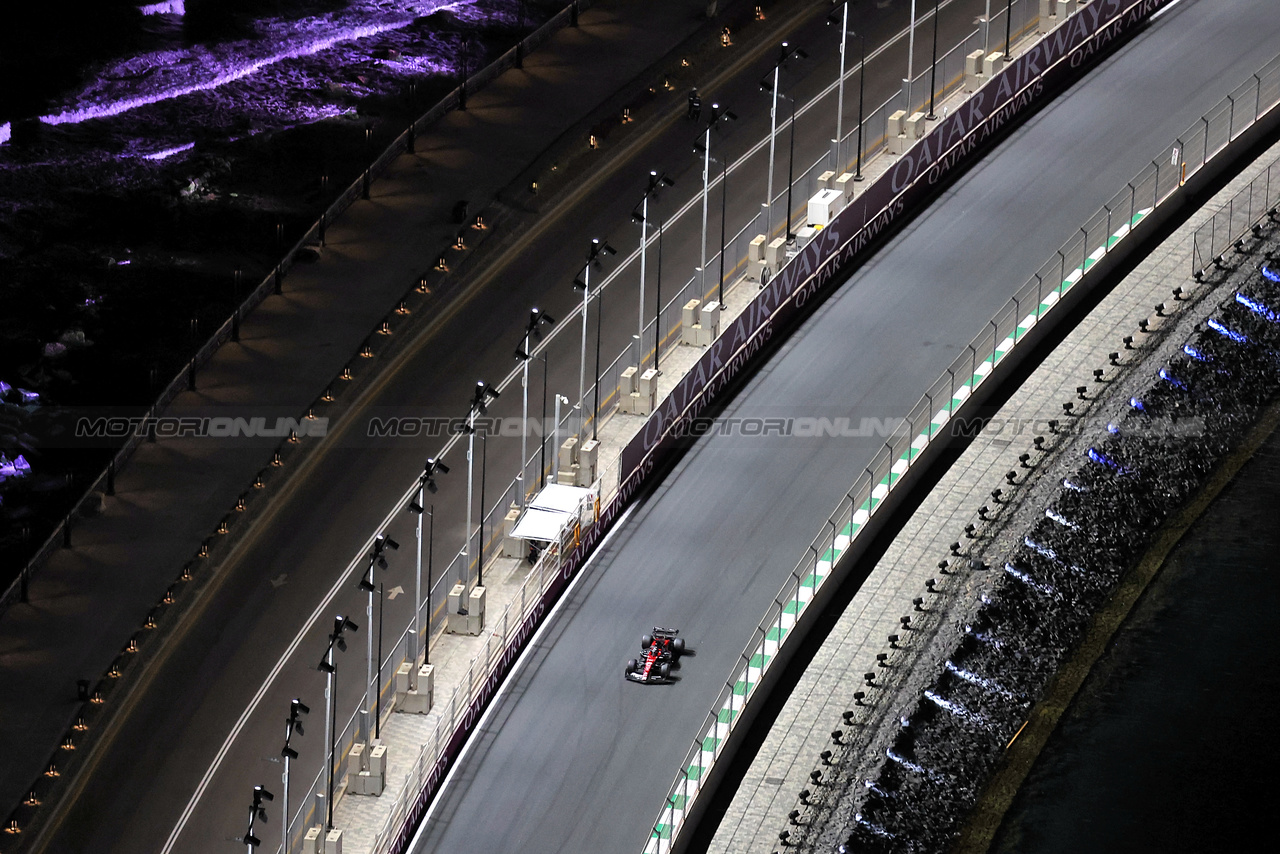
1171, 744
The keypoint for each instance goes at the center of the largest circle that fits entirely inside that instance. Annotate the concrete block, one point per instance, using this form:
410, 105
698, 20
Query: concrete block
567, 476
973, 76
804, 234
703, 336
973, 62
627, 384
649, 382
511, 546
333, 842
825, 179
1046, 19
1065, 8
312, 840
419, 702
588, 460
356, 761
756, 250
992, 64
689, 318
775, 254
647, 395
569, 452
895, 142
403, 672
914, 127
845, 184
475, 611
457, 623
378, 761
711, 318
755, 269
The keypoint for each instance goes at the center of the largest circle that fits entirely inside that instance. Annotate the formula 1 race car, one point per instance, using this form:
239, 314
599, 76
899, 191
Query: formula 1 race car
661, 649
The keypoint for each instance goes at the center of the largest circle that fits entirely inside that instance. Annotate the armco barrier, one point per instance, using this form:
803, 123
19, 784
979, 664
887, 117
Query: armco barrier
953, 144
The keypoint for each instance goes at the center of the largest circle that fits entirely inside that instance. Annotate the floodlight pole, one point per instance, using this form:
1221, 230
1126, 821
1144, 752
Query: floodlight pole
644, 239
582, 362
524, 422
862, 77
542, 431
471, 447
773, 133
706, 169
911, 53
933, 67
284, 815
416, 623
330, 712
431, 543
844, 37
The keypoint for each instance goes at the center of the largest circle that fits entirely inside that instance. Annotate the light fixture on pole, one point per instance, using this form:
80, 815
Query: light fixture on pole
911, 55
641, 216
657, 304
583, 282
426, 483
724, 190
484, 393
785, 52
328, 665
292, 725
377, 560
862, 78
484, 464
257, 812
532, 331
542, 430
844, 38
717, 116
595, 406
791, 156
933, 66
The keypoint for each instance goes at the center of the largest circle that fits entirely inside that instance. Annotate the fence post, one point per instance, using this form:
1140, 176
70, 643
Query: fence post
1133, 196
1205, 156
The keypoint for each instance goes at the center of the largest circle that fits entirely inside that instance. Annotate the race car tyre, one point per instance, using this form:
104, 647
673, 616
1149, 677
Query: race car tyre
677, 646
664, 670
631, 666
645, 641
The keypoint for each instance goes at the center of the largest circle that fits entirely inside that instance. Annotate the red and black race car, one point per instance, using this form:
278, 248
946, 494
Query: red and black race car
660, 649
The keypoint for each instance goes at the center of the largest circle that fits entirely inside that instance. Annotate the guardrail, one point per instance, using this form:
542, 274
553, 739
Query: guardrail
1098, 236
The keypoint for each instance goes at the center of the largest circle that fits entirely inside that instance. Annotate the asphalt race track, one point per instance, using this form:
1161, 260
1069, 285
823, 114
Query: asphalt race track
573, 758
